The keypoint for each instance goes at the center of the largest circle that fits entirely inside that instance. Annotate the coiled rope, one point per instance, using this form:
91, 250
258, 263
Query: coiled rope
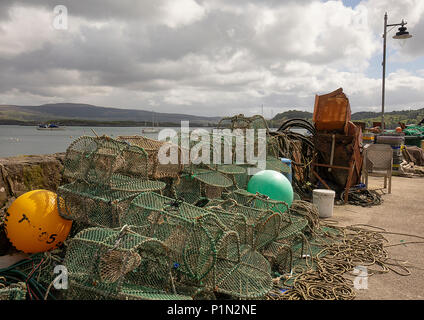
355, 246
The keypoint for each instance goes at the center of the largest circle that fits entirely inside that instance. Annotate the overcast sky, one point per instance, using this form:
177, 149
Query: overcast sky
209, 57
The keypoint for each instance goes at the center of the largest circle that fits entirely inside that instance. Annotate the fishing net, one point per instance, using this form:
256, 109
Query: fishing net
118, 264
257, 122
205, 173
203, 247
255, 227
258, 201
242, 122
277, 165
104, 161
157, 169
107, 174
414, 130
197, 183
16, 291
94, 206
206, 237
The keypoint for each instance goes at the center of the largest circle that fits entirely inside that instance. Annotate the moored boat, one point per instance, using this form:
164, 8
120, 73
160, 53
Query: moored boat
49, 126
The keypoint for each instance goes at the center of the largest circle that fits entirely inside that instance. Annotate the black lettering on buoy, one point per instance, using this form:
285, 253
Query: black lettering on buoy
24, 217
52, 238
42, 236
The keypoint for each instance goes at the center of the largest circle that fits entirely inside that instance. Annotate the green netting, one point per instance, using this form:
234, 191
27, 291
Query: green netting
106, 175
188, 189
201, 183
93, 206
212, 178
231, 169
258, 201
293, 229
201, 242
118, 264
208, 236
280, 257
249, 279
107, 162
191, 246
157, 169
96, 159
413, 130
277, 165
255, 227
15, 291
151, 201
242, 122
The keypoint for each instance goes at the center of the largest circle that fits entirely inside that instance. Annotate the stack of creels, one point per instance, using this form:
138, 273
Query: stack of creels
201, 178
279, 250
199, 182
106, 174
257, 122
242, 122
93, 205
204, 250
256, 228
218, 157
158, 153
113, 264
108, 163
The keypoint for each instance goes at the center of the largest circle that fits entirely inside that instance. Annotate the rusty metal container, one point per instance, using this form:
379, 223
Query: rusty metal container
332, 111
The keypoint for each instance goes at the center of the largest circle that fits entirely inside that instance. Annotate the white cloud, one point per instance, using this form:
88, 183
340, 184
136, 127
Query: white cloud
182, 12
17, 33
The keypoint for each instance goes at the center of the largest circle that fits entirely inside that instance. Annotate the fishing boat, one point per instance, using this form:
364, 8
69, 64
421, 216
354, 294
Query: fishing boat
152, 129
49, 126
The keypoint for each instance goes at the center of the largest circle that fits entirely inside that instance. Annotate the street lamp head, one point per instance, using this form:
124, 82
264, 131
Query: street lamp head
402, 34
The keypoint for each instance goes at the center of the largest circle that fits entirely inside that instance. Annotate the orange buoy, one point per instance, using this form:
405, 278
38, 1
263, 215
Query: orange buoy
399, 129
33, 223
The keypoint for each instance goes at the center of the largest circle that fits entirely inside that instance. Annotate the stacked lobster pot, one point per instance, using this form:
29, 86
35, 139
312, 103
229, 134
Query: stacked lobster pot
396, 141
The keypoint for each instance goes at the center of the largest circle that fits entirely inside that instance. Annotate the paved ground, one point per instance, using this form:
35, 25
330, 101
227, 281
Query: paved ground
401, 212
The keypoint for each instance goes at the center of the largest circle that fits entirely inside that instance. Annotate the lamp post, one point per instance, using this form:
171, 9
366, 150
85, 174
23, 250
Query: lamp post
401, 34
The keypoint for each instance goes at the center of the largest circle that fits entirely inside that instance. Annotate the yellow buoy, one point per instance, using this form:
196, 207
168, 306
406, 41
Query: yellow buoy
33, 223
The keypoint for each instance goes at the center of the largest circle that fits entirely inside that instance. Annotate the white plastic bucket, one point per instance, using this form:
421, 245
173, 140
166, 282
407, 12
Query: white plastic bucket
324, 200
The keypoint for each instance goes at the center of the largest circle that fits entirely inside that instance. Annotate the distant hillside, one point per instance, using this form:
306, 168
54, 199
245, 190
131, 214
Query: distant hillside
88, 115
391, 118
65, 112
292, 114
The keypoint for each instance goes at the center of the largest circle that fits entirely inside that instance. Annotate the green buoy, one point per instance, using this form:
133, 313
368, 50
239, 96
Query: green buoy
272, 184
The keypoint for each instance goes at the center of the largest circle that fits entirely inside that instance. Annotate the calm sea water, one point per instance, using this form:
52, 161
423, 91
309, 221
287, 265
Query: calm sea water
27, 140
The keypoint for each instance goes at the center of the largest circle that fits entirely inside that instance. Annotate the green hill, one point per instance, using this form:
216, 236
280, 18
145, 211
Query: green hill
292, 114
391, 119
78, 114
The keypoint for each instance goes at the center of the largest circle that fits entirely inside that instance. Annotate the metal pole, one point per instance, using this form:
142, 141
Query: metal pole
384, 71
